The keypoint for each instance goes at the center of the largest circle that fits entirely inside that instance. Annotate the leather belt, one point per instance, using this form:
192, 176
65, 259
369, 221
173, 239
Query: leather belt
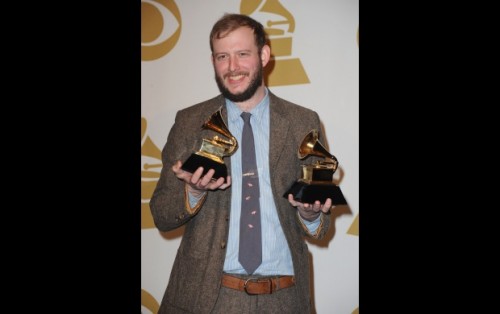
255, 285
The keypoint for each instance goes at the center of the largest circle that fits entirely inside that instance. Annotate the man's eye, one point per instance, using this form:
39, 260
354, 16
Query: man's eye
221, 57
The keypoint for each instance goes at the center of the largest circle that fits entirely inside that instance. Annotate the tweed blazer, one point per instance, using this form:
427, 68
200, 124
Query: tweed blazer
195, 278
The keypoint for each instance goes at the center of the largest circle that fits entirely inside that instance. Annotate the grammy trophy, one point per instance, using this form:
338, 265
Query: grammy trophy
213, 150
317, 178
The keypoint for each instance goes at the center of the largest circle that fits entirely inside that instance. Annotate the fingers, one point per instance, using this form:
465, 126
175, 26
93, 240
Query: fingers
179, 173
327, 206
314, 207
201, 180
292, 201
220, 183
198, 181
176, 168
226, 184
317, 206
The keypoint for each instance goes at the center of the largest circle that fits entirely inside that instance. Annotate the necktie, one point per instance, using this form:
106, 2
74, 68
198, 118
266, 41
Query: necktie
250, 252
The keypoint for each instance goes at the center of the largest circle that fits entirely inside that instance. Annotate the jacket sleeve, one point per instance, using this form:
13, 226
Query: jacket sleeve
169, 203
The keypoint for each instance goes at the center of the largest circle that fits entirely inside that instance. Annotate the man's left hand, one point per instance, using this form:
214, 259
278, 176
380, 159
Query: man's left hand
311, 211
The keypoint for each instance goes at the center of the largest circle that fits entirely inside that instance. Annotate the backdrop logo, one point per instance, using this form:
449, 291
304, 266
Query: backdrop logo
150, 160
148, 302
160, 28
281, 69
354, 228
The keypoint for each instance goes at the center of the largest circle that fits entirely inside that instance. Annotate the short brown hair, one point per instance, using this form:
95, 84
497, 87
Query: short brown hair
230, 22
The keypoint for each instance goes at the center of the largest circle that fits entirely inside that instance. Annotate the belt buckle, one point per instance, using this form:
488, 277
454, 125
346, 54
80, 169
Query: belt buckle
257, 280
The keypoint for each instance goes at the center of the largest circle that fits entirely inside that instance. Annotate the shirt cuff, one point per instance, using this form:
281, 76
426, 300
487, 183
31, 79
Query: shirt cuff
193, 200
193, 203
312, 226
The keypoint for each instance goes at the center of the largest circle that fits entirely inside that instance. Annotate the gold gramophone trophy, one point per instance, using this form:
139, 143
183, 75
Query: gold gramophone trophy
213, 150
317, 178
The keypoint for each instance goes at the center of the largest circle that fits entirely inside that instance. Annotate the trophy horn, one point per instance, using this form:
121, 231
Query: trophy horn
216, 123
312, 146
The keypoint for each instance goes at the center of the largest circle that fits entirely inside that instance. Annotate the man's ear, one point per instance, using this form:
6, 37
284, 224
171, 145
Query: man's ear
265, 55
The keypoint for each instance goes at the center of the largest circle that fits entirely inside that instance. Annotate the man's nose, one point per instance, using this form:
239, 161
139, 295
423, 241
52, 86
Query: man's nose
233, 63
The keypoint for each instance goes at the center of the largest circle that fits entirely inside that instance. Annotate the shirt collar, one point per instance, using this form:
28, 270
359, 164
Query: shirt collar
234, 112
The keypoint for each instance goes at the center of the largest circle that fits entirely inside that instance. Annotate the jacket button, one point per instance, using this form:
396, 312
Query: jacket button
227, 218
223, 245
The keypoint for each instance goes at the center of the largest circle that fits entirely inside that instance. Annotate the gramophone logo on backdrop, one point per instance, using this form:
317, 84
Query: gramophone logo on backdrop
148, 303
150, 173
158, 36
282, 68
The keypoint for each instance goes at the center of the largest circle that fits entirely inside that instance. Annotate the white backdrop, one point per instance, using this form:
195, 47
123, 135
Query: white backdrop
177, 72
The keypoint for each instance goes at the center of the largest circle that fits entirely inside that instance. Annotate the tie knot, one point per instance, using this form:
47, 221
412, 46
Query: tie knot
246, 116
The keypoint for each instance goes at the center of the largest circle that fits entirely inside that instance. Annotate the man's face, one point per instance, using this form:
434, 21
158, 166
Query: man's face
237, 64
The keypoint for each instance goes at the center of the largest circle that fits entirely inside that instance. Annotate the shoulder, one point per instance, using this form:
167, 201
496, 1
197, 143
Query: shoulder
201, 110
290, 110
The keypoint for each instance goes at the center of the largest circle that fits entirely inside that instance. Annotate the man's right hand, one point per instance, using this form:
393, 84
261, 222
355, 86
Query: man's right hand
197, 185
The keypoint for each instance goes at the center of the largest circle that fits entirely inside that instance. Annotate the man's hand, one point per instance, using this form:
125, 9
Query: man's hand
197, 185
310, 211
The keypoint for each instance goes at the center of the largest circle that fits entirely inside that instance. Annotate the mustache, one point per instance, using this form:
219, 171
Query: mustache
235, 74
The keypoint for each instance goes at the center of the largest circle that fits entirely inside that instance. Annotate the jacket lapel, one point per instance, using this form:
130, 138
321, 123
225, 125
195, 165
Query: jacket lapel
278, 129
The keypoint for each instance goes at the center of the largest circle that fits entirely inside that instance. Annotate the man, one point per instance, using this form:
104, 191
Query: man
208, 275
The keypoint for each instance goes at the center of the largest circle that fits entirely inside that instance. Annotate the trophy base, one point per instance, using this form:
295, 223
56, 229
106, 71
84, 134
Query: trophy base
311, 192
195, 161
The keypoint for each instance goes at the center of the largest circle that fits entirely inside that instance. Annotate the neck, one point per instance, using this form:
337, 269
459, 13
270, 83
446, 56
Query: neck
251, 103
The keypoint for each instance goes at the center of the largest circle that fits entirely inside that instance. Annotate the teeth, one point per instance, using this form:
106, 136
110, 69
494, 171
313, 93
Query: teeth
236, 77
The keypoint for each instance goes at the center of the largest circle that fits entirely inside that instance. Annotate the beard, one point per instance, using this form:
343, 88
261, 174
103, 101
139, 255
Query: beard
247, 93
